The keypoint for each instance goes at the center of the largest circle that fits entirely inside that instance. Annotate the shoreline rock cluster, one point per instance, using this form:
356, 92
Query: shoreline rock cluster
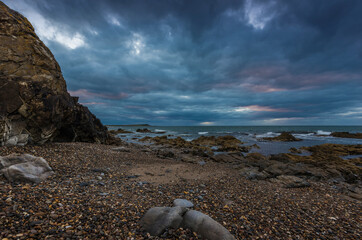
346, 135
283, 137
292, 170
99, 193
207, 144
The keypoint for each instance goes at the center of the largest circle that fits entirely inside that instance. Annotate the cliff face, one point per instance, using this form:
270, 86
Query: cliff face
34, 103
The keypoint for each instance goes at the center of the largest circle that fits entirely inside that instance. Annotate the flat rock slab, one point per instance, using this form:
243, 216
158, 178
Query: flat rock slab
291, 181
25, 168
121, 149
183, 203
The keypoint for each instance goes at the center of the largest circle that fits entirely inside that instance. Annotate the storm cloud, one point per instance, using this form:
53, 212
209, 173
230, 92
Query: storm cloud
221, 62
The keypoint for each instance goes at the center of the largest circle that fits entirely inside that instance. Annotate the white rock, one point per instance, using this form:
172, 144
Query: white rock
12, 141
183, 203
25, 168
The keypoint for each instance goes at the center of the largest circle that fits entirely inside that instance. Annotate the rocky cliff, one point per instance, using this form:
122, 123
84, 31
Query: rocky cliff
35, 106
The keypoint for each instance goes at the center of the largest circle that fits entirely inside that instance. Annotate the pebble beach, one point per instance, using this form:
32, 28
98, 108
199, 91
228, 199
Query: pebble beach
99, 193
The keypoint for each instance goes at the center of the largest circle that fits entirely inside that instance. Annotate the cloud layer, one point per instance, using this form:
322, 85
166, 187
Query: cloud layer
220, 62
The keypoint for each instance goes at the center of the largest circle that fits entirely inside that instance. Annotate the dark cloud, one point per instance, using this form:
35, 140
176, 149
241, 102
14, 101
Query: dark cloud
230, 62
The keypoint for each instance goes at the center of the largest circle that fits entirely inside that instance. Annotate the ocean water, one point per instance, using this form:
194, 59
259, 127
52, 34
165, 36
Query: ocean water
311, 135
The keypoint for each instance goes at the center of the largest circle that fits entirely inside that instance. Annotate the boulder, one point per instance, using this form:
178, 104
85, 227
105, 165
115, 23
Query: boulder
204, 225
226, 158
183, 203
158, 219
163, 153
252, 173
143, 130
34, 103
347, 135
223, 143
25, 168
292, 181
118, 131
283, 137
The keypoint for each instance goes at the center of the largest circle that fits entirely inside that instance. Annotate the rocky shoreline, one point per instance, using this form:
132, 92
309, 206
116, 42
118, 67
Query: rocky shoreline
93, 190
101, 192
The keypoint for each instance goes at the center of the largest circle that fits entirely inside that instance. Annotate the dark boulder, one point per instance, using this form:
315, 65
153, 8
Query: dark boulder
347, 135
283, 137
34, 103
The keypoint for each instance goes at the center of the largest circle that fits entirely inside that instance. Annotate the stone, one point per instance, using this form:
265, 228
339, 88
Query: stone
25, 168
292, 181
346, 135
143, 130
118, 131
202, 163
83, 184
162, 153
35, 106
158, 219
283, 137
204, 225
12, 141
183, 203
252, 173
121, 149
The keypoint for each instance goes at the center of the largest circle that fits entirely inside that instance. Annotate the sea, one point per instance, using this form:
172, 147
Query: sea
250, 135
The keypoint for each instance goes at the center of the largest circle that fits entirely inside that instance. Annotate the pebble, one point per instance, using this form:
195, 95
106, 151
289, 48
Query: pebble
260, 210
132, 176
84, 184
34, 223
202, 163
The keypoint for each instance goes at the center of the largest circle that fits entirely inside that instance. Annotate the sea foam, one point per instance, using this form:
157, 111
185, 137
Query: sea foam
321, 132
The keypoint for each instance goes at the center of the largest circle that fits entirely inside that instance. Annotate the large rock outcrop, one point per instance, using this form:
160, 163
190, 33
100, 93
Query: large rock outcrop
34, 103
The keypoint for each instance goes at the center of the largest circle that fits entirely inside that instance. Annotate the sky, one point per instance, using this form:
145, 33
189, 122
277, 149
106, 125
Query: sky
214, 62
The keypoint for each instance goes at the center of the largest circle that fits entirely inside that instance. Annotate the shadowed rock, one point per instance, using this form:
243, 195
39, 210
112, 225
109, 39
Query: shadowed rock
347, 135
283, 137
25, 168
157, 219
34, 103
207, 227
292, 181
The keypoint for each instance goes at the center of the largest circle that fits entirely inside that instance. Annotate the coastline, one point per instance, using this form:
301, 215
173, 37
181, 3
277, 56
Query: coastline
98, 192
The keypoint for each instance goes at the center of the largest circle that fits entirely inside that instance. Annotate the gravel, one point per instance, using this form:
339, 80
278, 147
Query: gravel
71, 204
